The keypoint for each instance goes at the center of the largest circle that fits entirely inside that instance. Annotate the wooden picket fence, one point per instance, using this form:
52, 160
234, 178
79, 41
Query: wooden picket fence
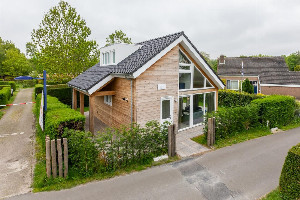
56, 157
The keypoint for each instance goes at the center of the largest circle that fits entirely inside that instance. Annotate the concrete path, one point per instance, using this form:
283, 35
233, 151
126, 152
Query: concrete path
247, 170
185, 146
16, 147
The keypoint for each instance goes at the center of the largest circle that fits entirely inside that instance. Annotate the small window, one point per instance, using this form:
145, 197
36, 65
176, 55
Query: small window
103, 58
183, 58
114, 57
108, 100
234, 85
108, 60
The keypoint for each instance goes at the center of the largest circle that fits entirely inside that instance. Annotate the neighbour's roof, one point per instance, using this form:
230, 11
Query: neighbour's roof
271, 70
148, 50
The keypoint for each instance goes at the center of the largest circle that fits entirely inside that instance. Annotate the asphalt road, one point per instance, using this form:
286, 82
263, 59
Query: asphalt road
16, 147
247, 170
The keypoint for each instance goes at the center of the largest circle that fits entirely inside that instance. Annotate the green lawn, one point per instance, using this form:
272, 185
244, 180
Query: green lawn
236, 138
274, 195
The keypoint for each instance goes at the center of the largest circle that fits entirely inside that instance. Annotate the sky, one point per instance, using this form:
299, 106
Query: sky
229, 27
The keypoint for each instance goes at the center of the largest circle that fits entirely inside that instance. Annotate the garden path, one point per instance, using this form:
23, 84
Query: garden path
16, 146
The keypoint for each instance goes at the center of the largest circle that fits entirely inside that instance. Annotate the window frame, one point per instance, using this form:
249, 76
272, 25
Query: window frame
191, 71
108, 99
230, 82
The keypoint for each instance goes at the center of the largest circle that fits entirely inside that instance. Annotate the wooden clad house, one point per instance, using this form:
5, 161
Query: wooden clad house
163, 79
269, 75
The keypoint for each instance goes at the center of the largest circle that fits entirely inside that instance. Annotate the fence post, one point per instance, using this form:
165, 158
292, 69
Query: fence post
211, 131
59, 158
65, 142
171, 141
53, 155
48, 157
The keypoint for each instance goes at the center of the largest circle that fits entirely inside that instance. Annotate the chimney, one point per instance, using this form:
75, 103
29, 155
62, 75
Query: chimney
222, 59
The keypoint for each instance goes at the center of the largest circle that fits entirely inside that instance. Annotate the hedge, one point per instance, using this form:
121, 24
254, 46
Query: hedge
231, 98
116, 148
11, 83
289, 182
62, 92
276, 110
2, 86
234, 120
5, 95
60, 116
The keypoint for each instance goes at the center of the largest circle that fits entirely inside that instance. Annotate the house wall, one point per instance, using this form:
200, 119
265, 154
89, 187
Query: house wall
148, 98
241, 78
292, 91
119, 113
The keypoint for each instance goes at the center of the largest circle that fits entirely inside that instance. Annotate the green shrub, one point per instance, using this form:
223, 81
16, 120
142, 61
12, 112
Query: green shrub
11, 83
5, 95
234, 120
60, 118
28, 83
276, 110
289, 183
2, 86
83, 154
247, 86
230, 98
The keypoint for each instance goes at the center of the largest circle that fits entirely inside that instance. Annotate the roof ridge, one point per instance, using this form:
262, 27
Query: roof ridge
180, 33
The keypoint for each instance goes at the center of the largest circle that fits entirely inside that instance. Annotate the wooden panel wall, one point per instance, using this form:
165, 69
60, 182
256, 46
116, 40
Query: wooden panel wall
119, 113
148, 98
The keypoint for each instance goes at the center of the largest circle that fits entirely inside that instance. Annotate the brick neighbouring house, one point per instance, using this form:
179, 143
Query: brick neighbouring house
269, 75
163, 79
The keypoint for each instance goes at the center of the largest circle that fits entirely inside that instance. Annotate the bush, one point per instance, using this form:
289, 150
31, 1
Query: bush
28, 83
297, 68
289, 182
83, 154
230, 98
234, 120
276, 110
11, 83
2, 86
247, 86
5, 95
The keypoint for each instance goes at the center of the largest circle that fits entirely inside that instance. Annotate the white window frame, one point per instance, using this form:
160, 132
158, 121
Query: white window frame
113, 56
108, 100
191, 71
192, 108
238, 81
171, 108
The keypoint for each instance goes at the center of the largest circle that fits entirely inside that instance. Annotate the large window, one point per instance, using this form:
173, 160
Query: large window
190, 76
184, 112
192, 108
233, 84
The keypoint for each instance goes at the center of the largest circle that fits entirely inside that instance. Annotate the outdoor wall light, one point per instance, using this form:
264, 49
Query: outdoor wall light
125, 99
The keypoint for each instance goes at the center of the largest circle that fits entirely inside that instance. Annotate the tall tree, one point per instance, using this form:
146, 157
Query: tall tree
60, 44
16, 63
118, 37
292, 60
247, 86
212, 62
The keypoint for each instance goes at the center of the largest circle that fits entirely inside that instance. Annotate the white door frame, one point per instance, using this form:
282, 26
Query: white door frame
171, 99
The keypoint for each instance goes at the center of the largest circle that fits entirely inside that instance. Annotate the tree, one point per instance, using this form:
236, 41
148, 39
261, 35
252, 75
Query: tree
292, 60
297, 68
60, 44
212, 62
15, 64
247, 86
117, 37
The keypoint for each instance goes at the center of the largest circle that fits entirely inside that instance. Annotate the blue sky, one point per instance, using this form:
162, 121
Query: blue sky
231, 27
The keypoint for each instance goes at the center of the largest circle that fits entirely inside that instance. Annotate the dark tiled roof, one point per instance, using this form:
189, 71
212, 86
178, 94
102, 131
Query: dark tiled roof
271, 70
129, 65
90, 77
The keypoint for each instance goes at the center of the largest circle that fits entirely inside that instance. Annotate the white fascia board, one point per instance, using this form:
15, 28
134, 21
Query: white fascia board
157, 57
239, 76
194, 54
99, 85
188, 47
277, 85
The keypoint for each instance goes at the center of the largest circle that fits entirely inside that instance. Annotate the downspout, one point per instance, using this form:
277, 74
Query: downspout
131, 103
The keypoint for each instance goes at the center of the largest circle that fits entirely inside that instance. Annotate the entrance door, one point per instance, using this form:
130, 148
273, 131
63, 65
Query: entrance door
166, 108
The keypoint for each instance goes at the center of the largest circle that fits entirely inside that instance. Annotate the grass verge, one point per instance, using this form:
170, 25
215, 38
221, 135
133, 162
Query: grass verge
41, 183
274, 195
235, 138
294, 124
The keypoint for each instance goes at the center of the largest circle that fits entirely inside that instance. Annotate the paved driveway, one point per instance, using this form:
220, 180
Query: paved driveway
16, 147
244, 171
